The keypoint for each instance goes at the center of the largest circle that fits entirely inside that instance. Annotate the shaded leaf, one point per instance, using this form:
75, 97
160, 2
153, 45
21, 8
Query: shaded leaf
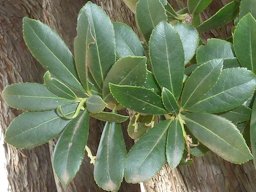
245, 42
138, 99
151, 83
148, 14
174, 144
202, 79
253, 132
69, 150
238, 115
167, 57
169, 101
109, 165
32, 97
110, 117
247, 6
197, 6
219, 135
147, 156
127, 42
95, 104
51, 52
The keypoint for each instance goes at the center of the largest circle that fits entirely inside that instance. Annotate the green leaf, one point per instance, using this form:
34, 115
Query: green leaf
147, 156
171, 13
138, 99
57, 87
110, 117
169, 101
32, 97
253, 132
202, 79
131, 4
238, 115
234, 87
102, 51
167, 57
81, 45
95, 104
225, 15
127, 42
214, 49
151, 83
174, 144
219, 135
51, 52
148, 14
197, 6
245, 42
129, 70
189, 38
109, 165
32, 129
247, 6
69, 150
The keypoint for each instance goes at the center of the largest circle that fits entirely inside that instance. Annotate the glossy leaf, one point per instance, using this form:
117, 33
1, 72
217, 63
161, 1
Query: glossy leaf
167, 57
127, 42
57, 87
69, 150
51, 52
219, 135
247, 6
81, 45
225, 15
110, 117
253, 132
169, 101
148, 14
189, 38
234, 87
101, 55
147, 156
95, 104
202, 79
32, 97
214, 49
109, 165
138, 99
245, 42
32, 129
238, 115
197, 6
126, 71
174, 144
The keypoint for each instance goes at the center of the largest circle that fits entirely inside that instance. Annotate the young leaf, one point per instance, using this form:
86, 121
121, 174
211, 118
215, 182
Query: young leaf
32, 129
129, 70
197, 6
81, 44
138, 99
247, 6
219, 135
169, 101
167, 57
32, 97
147, 156
148, 14
225, 15
127, 42
95, 104
110, 117
57, 87
109, 165
202, 79
51, 52
253, 132
189, 38
238, 115
245, 42
174, 144
131, 4
69, 150
214, 49
102, 50
234, 87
